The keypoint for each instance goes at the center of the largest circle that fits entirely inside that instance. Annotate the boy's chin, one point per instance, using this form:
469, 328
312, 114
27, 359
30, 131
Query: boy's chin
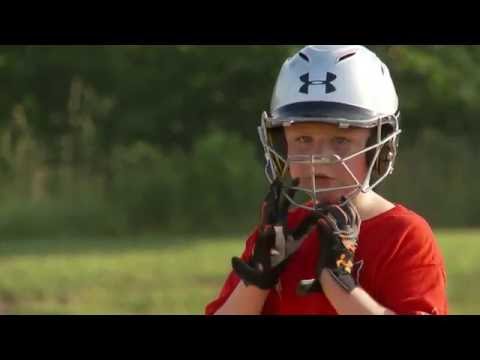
325, 201
322, 199
330, 198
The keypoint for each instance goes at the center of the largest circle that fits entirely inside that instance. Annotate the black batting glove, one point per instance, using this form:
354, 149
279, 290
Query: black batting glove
338, 229
275, 243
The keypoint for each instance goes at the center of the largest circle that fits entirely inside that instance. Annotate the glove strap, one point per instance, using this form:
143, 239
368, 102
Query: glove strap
344, 279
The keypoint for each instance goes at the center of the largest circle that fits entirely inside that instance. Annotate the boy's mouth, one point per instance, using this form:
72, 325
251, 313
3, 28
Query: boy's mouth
323, 177
321, 181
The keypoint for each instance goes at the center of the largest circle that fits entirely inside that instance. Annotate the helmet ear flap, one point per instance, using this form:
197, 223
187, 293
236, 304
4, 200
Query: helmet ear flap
388, 151
278, 142
386, 156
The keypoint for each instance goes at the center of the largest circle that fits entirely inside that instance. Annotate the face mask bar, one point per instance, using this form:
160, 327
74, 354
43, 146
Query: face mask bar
277, 166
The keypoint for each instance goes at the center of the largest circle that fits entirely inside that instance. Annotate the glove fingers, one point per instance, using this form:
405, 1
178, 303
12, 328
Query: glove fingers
265, 244
305, 227
284, 203
324, 228
253, 276
270, 204
349, 209
245, 271
276, 271
341, 217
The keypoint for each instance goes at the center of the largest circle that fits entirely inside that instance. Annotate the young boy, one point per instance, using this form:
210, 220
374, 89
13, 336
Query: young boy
332, 134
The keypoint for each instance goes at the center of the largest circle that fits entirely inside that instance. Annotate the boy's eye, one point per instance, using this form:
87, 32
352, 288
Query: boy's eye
304, 139
341, 141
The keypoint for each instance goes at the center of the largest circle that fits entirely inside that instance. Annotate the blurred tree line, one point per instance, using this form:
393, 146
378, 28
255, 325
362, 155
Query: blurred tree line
126, 139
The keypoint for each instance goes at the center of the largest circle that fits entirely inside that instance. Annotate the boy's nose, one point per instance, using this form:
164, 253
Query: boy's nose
320, 148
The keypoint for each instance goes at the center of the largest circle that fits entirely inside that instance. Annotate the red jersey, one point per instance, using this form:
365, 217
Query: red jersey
397, 262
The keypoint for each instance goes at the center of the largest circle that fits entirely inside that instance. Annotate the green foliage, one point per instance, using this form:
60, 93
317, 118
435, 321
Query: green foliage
60, 218
147, 186
226, 183
214, 188
163, 138
438, 178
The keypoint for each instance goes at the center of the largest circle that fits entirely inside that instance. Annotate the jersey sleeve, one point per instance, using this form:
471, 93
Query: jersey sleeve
233, 280
412, 281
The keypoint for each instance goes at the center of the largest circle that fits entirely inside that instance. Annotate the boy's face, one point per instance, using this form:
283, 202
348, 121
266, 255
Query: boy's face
326, 140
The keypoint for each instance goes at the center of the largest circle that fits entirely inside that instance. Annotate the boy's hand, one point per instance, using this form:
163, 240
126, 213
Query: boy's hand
338, 230
275, 243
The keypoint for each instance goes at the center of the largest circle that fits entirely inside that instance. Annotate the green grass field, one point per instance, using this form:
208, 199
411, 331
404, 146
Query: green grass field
150, 275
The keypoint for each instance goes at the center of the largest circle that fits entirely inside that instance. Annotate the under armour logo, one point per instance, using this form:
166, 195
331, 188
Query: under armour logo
329, 88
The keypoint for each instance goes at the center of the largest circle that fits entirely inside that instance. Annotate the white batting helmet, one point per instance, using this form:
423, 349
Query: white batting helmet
344, 85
